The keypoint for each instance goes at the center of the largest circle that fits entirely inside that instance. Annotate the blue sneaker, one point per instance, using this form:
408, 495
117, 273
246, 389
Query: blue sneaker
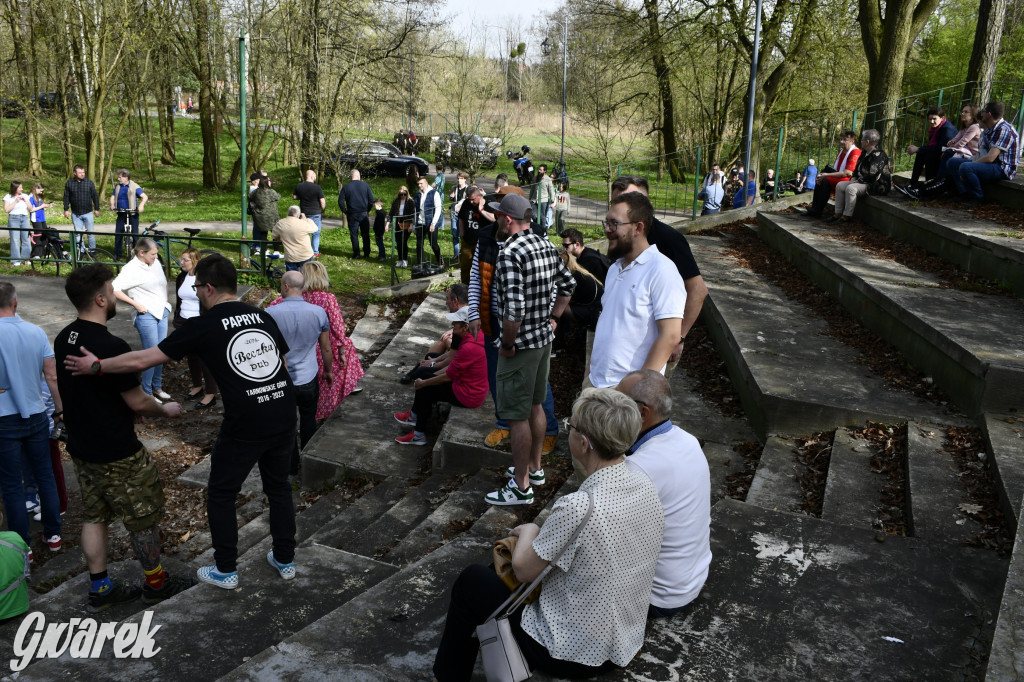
32, 504
211, 576
287, 571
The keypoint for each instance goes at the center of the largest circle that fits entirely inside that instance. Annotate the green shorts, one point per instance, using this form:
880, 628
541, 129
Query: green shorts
128, 489
522, 382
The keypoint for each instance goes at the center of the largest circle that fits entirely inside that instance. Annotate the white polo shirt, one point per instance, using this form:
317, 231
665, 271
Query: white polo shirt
635, 298
676, 465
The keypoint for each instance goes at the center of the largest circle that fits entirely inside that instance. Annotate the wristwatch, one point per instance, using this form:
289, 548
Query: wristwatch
95, 367
507, 346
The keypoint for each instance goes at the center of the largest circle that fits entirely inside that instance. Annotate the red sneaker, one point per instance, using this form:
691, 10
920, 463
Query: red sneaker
54, 543
405, 418
411, 439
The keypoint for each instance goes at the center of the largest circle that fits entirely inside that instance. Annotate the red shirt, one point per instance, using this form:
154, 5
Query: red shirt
851, 164
468, 371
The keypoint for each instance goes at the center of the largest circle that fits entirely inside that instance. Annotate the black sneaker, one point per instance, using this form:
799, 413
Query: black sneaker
99, 601
172, 586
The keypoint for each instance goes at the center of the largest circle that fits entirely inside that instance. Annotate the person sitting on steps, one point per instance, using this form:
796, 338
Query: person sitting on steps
440, 354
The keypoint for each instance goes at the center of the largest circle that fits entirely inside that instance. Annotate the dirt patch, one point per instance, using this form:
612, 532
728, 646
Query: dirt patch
889, 458
967, 446
737, 485
701, 361
815, 453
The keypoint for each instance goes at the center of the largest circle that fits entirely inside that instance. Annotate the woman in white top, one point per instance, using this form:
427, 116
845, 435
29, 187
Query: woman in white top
592, 610
185, 308
17, 207
142, 285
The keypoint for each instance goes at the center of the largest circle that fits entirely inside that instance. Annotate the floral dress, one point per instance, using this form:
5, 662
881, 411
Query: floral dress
345, 381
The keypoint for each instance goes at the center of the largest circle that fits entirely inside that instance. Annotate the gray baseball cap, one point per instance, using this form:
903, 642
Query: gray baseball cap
512, 205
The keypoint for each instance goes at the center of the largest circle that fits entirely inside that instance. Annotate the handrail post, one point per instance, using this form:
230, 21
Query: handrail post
73, 242
167, 255
394, 224
1020, 111
778, 161
696, 185
853, 126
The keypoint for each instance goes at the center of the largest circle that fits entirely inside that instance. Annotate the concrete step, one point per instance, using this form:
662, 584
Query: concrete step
380, 536
969, 243
369, 335
978, 358
206, 631
70, 599
198, 475
791, 377
853, 491
934, 490
449, 520
391, 630
460, 447
343, 527
776, 483
1009, 193
360, 438
1004, 439
1006, 657
424, 326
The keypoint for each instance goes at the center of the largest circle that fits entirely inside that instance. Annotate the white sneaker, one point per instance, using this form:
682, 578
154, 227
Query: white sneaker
163, 395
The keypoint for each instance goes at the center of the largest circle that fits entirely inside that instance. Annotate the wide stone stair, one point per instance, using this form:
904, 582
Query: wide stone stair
794, 592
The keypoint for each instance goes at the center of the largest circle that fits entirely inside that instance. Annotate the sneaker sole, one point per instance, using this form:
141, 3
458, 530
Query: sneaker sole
497, 443
410, 442
506, 503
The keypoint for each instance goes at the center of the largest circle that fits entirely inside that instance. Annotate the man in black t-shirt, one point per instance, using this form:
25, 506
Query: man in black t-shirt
245, 351
116, 474
312, 202
473, 216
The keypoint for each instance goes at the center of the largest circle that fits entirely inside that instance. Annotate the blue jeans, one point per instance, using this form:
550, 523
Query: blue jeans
455, 234
27, 441
84, 223
296, 267
969, 175
21, 242
317, 218
152, 331
491, 351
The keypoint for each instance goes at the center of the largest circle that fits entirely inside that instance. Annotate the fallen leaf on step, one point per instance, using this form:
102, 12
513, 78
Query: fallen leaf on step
969, 508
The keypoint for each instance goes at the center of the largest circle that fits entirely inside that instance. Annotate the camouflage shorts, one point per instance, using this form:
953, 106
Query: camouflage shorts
128, 489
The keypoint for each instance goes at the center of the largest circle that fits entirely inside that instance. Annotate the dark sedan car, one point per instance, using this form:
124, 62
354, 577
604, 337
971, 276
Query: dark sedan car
468, 149
378, 158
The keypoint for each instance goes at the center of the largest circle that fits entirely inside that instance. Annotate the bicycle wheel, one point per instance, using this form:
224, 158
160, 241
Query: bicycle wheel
98, 256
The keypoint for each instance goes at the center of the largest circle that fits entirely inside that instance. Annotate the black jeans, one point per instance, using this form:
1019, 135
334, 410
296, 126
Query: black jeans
425, 399
306, 396
378, 237
477, 592
359, 226
422, 234
230, 462
926, 162
822, 193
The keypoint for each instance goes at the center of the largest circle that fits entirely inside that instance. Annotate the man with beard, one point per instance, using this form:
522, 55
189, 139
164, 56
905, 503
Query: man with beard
117, 475
644, 298
245, 351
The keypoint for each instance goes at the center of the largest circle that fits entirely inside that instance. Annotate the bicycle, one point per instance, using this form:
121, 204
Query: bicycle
56, 250
165, 238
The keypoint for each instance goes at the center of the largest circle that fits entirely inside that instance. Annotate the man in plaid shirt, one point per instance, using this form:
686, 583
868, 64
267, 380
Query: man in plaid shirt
81, 203
532, 287
996, 159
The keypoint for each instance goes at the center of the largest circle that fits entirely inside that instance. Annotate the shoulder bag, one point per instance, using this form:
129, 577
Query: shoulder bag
502, 658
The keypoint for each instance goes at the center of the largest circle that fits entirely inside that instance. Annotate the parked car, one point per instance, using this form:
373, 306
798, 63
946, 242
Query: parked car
469, 149
378, 158
50, 101
11, 108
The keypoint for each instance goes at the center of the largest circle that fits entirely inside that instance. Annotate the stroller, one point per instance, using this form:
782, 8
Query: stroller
46, 243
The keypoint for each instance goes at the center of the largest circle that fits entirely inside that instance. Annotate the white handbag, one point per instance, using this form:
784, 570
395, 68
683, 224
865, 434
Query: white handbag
502, 658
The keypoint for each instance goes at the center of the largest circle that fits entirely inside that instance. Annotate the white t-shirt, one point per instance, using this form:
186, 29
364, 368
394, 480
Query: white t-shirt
21, 207
188, 298
145, 284
648, 290
593, 607
677, 467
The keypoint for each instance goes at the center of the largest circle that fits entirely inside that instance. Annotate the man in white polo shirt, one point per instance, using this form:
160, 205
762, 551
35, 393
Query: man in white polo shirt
673, 460
644, 297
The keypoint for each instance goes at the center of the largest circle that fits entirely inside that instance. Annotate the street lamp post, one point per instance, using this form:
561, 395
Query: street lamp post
546, 49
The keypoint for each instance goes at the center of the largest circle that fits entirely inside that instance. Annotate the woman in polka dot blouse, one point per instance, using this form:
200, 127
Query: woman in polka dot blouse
593, 606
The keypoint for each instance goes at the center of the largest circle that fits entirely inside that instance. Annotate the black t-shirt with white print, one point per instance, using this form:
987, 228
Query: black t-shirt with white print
244, 350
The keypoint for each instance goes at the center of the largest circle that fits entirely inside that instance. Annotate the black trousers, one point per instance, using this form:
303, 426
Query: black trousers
378, 237
926, 162
425, 399
231, 461
477, 592
422, 234
359, 226
822, 193
126, 224
306, 396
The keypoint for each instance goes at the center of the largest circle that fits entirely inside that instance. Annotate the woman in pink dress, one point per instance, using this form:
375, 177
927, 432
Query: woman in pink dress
347, 368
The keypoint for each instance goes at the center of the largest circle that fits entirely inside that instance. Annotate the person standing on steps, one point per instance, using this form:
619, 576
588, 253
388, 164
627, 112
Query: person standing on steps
129, 201
429, 219
312, 203
81, 204
117, 475
245, 351
533, 287
354, 201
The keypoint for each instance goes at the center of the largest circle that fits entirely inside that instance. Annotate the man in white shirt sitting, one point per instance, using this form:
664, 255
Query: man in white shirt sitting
675, 463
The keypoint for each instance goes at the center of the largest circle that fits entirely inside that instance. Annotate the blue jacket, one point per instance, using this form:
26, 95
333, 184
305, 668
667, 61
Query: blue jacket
355, 198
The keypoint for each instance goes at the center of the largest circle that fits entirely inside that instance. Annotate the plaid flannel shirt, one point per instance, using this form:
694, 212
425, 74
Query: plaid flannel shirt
529, 276
80, 196
1005, 138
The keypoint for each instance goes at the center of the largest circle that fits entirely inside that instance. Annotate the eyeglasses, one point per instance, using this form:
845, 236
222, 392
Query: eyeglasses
566, 245
613, 225
195, 287
569, 426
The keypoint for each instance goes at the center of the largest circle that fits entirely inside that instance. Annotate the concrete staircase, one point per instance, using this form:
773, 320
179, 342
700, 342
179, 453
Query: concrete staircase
790, 596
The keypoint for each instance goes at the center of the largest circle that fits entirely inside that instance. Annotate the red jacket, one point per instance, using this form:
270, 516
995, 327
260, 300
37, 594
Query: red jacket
468, 371
851, 165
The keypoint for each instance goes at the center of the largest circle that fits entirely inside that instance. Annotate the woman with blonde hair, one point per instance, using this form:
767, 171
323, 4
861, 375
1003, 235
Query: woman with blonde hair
185, 308
347, 369
403, 208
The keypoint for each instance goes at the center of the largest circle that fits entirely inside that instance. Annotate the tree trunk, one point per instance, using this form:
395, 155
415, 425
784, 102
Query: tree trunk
165, 110
311, 102
887, 41
206, 95
661, 72
985, 54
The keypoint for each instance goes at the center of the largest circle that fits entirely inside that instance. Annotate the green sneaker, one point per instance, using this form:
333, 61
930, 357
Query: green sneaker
509, 494
119, 593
